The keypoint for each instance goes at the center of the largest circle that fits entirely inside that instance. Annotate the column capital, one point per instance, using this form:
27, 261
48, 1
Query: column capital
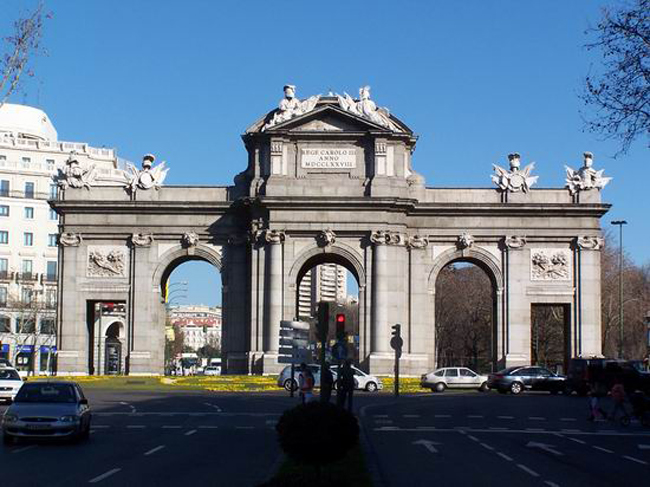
387, 237
142, 239
588, 242
68, 239
274, 236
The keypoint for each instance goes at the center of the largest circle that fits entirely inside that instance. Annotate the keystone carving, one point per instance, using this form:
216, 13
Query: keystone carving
387, 237
142, 239
514, 242
190, 239
326, 238
70, 239
464, 241
589, 243
418, 242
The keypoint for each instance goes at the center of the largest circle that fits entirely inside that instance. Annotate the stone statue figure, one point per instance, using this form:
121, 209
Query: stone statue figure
147, 177
366, 108
514, 180
74, 176
291, 107
586, 177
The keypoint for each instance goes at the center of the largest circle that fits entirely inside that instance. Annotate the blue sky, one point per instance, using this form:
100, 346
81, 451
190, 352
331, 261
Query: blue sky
474, 79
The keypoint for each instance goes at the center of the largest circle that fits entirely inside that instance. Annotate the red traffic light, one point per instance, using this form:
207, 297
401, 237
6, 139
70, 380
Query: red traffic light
340, 324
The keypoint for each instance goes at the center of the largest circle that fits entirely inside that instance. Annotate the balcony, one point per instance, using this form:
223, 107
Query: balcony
31, 195
49, 278
28, 276
6, 276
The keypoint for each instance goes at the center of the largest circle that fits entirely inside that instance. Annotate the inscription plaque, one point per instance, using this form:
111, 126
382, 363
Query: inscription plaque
328, 158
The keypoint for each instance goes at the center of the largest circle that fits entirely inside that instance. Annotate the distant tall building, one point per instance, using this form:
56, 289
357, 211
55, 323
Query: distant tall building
201, 325
30, 157
326, 282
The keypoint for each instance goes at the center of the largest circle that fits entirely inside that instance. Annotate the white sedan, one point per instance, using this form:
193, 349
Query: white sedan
454, 377
10, 383
212, 370
363, 381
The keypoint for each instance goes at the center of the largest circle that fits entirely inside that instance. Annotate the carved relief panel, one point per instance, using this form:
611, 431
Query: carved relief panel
106, 261
550, 265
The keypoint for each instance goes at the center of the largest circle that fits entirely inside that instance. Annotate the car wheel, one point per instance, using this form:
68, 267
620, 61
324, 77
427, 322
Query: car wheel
484, 387
371, 387
440, 387
516, 387
287, 385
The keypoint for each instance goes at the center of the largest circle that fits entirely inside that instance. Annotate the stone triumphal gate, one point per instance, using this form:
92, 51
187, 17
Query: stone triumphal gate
329, 179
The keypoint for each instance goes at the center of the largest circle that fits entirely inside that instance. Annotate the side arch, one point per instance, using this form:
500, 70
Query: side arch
177, 255
339, 254
482, 258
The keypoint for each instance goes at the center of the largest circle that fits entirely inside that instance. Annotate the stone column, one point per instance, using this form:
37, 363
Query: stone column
379, 306
273, 289
588, 327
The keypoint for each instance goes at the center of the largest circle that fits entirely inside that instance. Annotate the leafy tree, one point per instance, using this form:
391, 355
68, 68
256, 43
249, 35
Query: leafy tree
19, 50
620, 92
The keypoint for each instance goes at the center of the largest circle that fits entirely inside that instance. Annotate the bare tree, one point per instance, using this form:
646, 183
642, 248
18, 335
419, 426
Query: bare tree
19, 50
620, 93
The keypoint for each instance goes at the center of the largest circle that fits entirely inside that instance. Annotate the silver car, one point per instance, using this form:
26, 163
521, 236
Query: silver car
47, 410
10, 383
454, 377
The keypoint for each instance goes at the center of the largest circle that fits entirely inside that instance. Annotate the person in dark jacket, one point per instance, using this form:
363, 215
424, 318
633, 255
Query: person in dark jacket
326, 383
346, 386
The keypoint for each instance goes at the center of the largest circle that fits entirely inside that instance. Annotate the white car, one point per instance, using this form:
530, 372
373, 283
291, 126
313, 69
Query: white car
10, 383
454, 377
364, 381
212, 370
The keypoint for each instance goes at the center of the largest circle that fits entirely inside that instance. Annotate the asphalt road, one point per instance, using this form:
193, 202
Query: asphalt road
467, 438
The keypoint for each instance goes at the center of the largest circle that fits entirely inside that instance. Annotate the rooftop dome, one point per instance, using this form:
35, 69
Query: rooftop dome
24, 121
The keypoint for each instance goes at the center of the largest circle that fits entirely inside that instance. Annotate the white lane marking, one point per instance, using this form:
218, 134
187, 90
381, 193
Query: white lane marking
380, 415
497, 428
410, 415
171, 427
600, 448
190, 432
429, 445
551, 484
101, 477
25, 448
475, 416
96, 426
535, 429
578, 441
528, 470
154, 450
570, 431
426, 428
644, 447
473, 438
384, 421
504, 456
135, 426
568, 419
635, 460
505, 417
537, 418
486, 446
208, 427
544, 446
442, 415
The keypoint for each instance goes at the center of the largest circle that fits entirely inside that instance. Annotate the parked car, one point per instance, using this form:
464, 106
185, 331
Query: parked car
47, 410
583, 373
284, 379
362, 380
5, 363
212, 370
518, 379
453, 378
10, 383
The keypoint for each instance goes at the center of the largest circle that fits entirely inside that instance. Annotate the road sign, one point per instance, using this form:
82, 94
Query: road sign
396, 343
293, 341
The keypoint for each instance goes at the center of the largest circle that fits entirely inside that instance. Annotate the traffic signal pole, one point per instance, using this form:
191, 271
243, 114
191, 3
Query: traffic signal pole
397, 343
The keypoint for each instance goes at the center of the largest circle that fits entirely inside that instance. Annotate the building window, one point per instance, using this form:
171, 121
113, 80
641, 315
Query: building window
29, 190
4, 187
29, 213
4, 237
3, 161
4, 268
4, 210
53, 215
26, 161
28, 240
50, 164
51, 240
47, 326
54, 191
28, 268
3, 298
5, 324
26, 297
51, 270
50, 298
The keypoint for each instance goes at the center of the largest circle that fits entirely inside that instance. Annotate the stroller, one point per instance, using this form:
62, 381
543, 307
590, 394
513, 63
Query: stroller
640, 408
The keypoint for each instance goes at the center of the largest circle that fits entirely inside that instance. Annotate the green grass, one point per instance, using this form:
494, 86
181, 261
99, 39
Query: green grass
351, 471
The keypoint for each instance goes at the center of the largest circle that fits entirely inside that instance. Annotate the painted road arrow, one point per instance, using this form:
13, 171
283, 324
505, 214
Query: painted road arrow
544, 446
429, 445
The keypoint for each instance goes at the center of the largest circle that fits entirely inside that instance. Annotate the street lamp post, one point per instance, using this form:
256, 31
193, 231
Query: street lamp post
620, 224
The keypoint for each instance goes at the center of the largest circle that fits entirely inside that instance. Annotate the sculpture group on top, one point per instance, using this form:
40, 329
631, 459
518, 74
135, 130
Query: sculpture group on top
586, 177
290, 106
147, 177
75, 176
514, 180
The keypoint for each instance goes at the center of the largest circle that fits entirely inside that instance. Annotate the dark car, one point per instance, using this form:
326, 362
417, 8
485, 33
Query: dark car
534, 378
603, 373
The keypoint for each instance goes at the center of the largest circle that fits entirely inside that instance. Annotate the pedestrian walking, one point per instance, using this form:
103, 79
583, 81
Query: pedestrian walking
306, 384
345, 388
595, 410
326, 383
618, 397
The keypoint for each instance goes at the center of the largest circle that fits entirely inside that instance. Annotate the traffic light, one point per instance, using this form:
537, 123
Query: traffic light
323, 323
397, 330
340, 326
396, 341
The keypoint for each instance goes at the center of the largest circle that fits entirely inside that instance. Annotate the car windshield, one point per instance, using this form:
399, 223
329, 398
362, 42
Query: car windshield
9, 374
57, 393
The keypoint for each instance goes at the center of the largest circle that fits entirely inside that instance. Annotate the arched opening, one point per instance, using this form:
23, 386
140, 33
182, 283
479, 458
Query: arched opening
465, 316
191, 288
113, 361
330, 277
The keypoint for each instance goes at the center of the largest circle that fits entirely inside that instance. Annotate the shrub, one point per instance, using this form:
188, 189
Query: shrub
317, 433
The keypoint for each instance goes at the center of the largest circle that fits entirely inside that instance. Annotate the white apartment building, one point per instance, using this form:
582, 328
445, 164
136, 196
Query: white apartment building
30, 157
326, 282
201, 325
